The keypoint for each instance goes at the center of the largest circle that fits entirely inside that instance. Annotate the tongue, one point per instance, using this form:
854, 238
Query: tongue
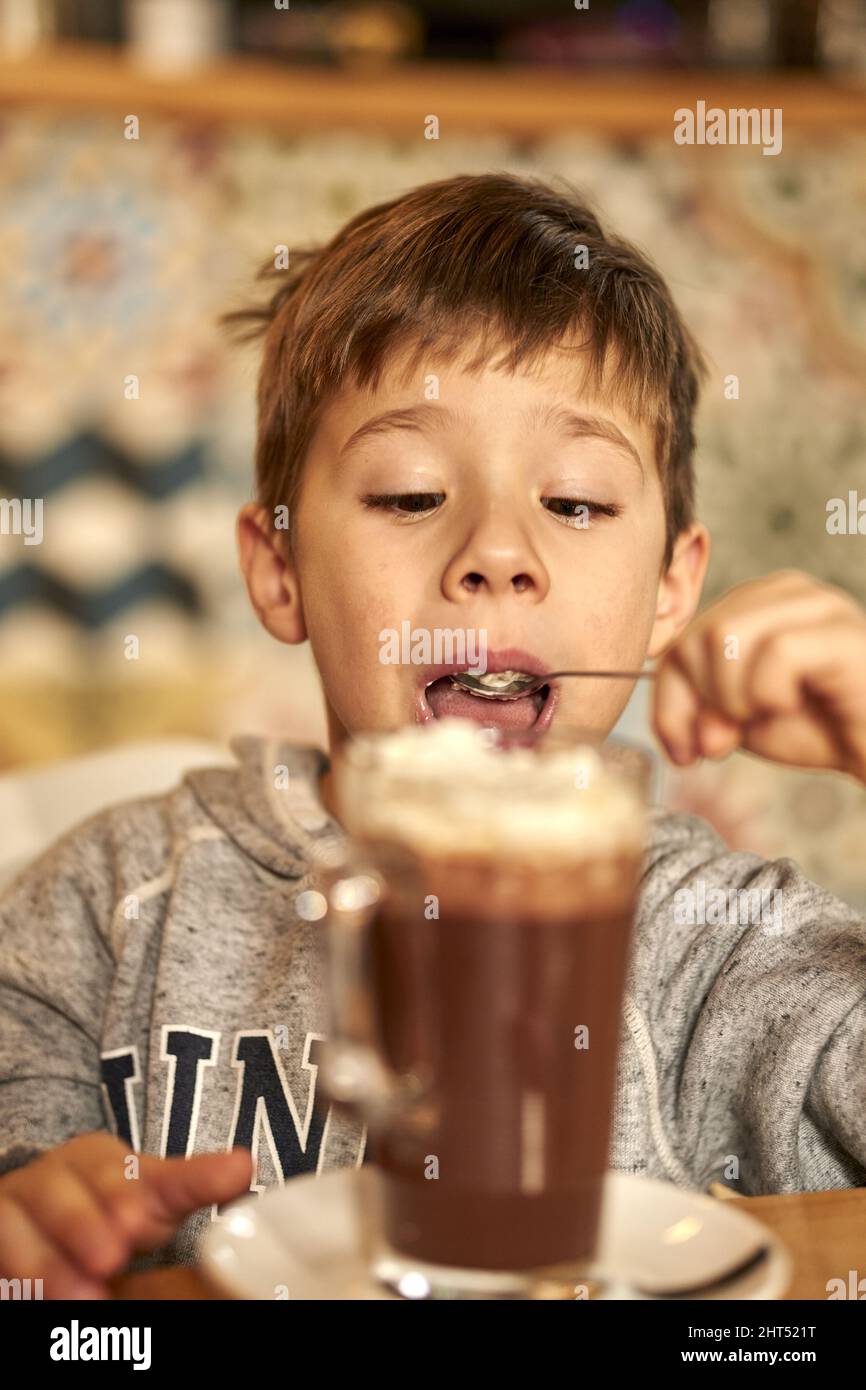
446, 699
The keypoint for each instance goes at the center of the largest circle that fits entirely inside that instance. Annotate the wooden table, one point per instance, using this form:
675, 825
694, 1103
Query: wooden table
824, 1231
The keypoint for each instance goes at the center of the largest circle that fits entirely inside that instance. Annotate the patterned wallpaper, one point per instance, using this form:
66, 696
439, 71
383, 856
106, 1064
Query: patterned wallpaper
126, 411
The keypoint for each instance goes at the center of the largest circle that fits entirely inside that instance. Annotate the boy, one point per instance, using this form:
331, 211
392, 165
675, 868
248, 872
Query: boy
470, 422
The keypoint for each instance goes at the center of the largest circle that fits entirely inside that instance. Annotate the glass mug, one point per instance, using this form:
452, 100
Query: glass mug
475, 984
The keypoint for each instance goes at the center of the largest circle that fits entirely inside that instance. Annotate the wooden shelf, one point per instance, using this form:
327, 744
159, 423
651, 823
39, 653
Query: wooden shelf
524, 102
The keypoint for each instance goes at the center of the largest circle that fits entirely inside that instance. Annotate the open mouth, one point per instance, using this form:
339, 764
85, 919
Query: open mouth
447, 700
443, 699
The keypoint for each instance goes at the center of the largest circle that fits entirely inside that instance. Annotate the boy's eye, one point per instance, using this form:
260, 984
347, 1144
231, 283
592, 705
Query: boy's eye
576, 511
573, 510
405, 503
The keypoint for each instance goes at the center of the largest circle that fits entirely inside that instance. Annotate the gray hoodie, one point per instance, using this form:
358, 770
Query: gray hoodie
157, 980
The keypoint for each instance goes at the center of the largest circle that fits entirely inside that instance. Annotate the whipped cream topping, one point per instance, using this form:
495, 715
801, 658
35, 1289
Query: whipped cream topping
497, 680
448, 789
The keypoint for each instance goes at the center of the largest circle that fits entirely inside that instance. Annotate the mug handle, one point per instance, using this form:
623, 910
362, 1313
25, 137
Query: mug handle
352, 1070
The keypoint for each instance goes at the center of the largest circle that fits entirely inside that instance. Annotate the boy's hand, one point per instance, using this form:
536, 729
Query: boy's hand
777, 666
73, 1218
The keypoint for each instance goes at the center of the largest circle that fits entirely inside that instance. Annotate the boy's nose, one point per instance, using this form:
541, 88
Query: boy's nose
496, 565
474, 581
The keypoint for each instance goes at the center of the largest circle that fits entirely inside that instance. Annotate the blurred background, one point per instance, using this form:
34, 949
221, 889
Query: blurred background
124, 408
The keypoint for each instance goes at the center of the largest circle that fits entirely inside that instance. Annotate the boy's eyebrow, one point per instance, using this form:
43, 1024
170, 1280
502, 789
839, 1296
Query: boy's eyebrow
413, 417
570, 422
575, 425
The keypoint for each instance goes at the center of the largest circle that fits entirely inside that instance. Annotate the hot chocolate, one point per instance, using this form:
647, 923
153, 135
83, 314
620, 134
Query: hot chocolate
497, 960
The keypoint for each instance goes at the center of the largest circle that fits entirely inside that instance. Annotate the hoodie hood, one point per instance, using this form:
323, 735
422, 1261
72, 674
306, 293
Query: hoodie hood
269, 803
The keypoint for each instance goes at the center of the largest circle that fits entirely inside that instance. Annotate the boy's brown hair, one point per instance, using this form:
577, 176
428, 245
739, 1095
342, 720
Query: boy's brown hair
491, 258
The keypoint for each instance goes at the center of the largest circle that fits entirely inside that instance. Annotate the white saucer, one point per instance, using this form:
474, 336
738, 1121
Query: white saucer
300, 1241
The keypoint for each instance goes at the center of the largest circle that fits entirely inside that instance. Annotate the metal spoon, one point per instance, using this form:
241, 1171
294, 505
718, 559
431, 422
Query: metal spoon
523, 683
746, 1265
750, 1261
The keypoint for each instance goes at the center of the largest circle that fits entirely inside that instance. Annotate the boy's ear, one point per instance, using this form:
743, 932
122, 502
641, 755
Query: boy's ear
680, 587
271, 578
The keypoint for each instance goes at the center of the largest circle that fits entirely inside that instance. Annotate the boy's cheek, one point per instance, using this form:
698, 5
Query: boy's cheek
614, 619
369, 702
347, 647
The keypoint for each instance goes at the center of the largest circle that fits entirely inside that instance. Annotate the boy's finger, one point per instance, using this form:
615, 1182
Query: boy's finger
720, 655
182, 1185
148, 1207
796, 739
112, 1173
66, 1210
675, 711
26, 1253
775, 675
716, 736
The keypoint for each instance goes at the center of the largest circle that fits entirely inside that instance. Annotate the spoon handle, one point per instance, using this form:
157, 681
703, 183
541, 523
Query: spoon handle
616, 675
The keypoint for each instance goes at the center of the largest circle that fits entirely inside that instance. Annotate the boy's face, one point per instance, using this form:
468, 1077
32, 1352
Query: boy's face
511, 506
